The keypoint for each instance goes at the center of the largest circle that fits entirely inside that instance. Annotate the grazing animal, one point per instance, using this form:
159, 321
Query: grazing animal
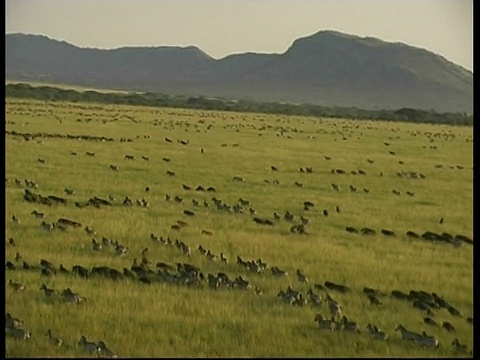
69, 191
337, 287
238, 178
277, 272
430, 321
399, 295
54, 340
11, 242
408, 335
47, 291
90, 231
427, 341
367, 231
447, 326
12, 322
336, 187
299, 229
95, 245
460, 348
63, 270
69, 296
373, 300
412, 234
376, 332
87, 345
334, 307
37, 214
387, 232
19, 333
327, 324
223, 258
103, 351
351, 230
301, 277
347, 325
314, 299
17, 286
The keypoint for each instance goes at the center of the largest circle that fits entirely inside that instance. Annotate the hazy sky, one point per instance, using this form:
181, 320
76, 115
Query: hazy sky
223, 27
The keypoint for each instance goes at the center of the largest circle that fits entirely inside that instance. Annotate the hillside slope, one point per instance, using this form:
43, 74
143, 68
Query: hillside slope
327, 68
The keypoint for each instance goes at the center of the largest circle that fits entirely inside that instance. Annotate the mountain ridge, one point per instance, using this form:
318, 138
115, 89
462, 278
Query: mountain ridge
326, 68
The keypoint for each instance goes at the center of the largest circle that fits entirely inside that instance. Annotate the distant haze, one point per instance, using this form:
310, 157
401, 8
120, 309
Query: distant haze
220, 28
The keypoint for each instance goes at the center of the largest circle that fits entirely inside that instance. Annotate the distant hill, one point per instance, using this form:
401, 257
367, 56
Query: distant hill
328, 68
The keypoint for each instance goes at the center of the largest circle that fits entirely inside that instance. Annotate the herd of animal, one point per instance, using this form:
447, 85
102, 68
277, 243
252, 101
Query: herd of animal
149, 272
186, 274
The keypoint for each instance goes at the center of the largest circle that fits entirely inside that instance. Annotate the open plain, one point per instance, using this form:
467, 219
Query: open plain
182, 233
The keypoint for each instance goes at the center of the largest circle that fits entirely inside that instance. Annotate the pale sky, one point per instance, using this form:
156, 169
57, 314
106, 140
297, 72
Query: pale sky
223, 27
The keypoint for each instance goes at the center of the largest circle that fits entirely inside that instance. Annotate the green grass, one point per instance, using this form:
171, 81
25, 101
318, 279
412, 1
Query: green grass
163, 320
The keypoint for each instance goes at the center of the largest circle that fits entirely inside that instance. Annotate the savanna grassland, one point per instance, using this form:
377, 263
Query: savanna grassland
154, 317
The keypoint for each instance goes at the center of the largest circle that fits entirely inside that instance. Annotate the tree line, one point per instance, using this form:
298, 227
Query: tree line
49, 93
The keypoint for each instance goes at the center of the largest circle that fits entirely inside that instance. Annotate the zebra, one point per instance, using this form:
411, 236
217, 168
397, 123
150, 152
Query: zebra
334, 307
277, 272
54, 340
376, 333
12, 322
336, 187
105, 352
37, 214
70, 296
89, 231
301, 277
327, 324
461, 348
314, 299
17, 286
87, 345
19, 333
223, 258
349, 325
47, 291
428, 341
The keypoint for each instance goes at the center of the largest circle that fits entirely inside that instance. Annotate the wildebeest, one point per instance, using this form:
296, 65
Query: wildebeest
67, 222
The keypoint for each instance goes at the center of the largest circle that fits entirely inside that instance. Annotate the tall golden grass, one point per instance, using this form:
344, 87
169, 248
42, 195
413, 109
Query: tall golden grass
163, 320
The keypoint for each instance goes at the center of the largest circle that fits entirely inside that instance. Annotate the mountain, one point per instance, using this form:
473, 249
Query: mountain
328, 68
